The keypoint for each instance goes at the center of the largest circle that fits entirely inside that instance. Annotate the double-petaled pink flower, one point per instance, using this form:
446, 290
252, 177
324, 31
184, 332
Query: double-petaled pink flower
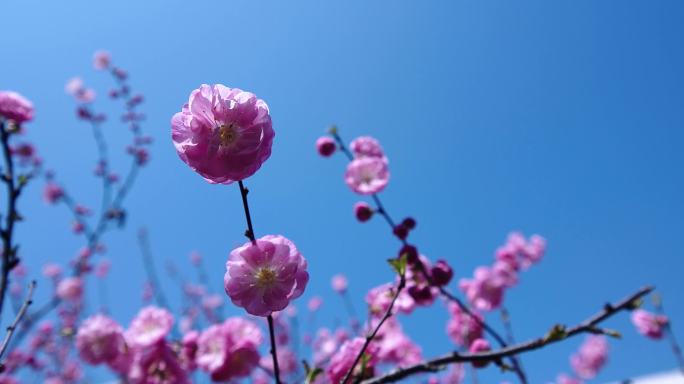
342, 361
649, 324
366, 146
367, 175
224, 134
264, 277
229, 350
485, 291
99, 340
463, 328
15, 107
151, 325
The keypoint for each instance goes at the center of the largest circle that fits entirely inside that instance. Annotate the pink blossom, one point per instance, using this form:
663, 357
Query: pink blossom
265, 277
188, 352
342, 361
52, 270
649, 324
485, 291
441, 273
339, 283
363, 211
156, 364
394, 347
99, 339
14, 106
591, 357
52, 193
212, 302
74, 85
229, 350
565, 379
379, 299
325, 146
101, 60
324, 346
223, 134
287, 361
315, 303
366, 146
367, 175
195, 258
70, 289
462, 328
76, 88
102, 268
151, 325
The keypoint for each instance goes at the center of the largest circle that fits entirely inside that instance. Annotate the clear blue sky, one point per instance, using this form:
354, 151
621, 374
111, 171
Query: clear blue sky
562, 118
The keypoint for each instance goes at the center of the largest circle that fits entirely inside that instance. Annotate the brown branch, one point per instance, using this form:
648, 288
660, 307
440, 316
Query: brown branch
10, 330
371, 336
587, 326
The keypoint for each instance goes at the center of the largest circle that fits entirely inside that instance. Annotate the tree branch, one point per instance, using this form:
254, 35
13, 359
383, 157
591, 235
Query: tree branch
10, 330
587, 326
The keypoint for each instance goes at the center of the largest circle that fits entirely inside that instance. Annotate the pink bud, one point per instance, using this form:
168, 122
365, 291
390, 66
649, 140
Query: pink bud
325, 146
441, 273
363, 211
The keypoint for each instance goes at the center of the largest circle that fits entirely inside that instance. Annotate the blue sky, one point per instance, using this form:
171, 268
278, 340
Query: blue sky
562, 118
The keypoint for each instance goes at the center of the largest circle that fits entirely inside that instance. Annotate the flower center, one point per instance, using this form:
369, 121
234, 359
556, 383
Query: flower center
265, 277
228, 134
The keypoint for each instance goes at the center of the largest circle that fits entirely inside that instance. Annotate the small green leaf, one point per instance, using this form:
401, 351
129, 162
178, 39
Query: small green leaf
558, 332
612, 333
332, 130
399, 265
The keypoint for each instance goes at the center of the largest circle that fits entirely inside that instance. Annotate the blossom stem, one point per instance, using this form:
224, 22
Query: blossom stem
371, 336
250, 229
589, 325
274, 353
22, 311
9, 250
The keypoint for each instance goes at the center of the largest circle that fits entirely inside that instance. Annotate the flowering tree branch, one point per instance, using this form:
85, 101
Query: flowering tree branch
371, 336
148, 261
20, 315
558, 333
380, 208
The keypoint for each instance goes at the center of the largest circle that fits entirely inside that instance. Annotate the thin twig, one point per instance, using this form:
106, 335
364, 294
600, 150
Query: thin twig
587, 326
674, 345
22, 311
148, 261
274, 352
371, 336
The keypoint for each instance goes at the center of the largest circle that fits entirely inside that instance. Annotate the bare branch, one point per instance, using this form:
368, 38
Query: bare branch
20, 315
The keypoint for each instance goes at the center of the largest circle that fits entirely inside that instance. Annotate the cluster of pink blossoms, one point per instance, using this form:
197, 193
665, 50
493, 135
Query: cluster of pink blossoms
15, 107
485, 291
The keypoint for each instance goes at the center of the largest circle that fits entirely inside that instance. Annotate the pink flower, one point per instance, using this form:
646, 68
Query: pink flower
315, 303
14, 106
485, 291
102, 268
99, 339
52, 271
363, 211
367, 175
223, 134
565, 379
325, 146
74, 85
157, 364
52, 193
188, 352
649, 324
366, 146
101, 60
379, 299
394, 347
339, 283
70, 289
343, 360
591, 357
477, 346
324, 346
75, 88
151, 325
229, 350
265, 277
462, 328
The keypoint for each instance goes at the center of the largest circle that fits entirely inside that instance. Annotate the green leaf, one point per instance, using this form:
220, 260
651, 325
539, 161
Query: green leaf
612, 333
332, 130
558, 332
399, 265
